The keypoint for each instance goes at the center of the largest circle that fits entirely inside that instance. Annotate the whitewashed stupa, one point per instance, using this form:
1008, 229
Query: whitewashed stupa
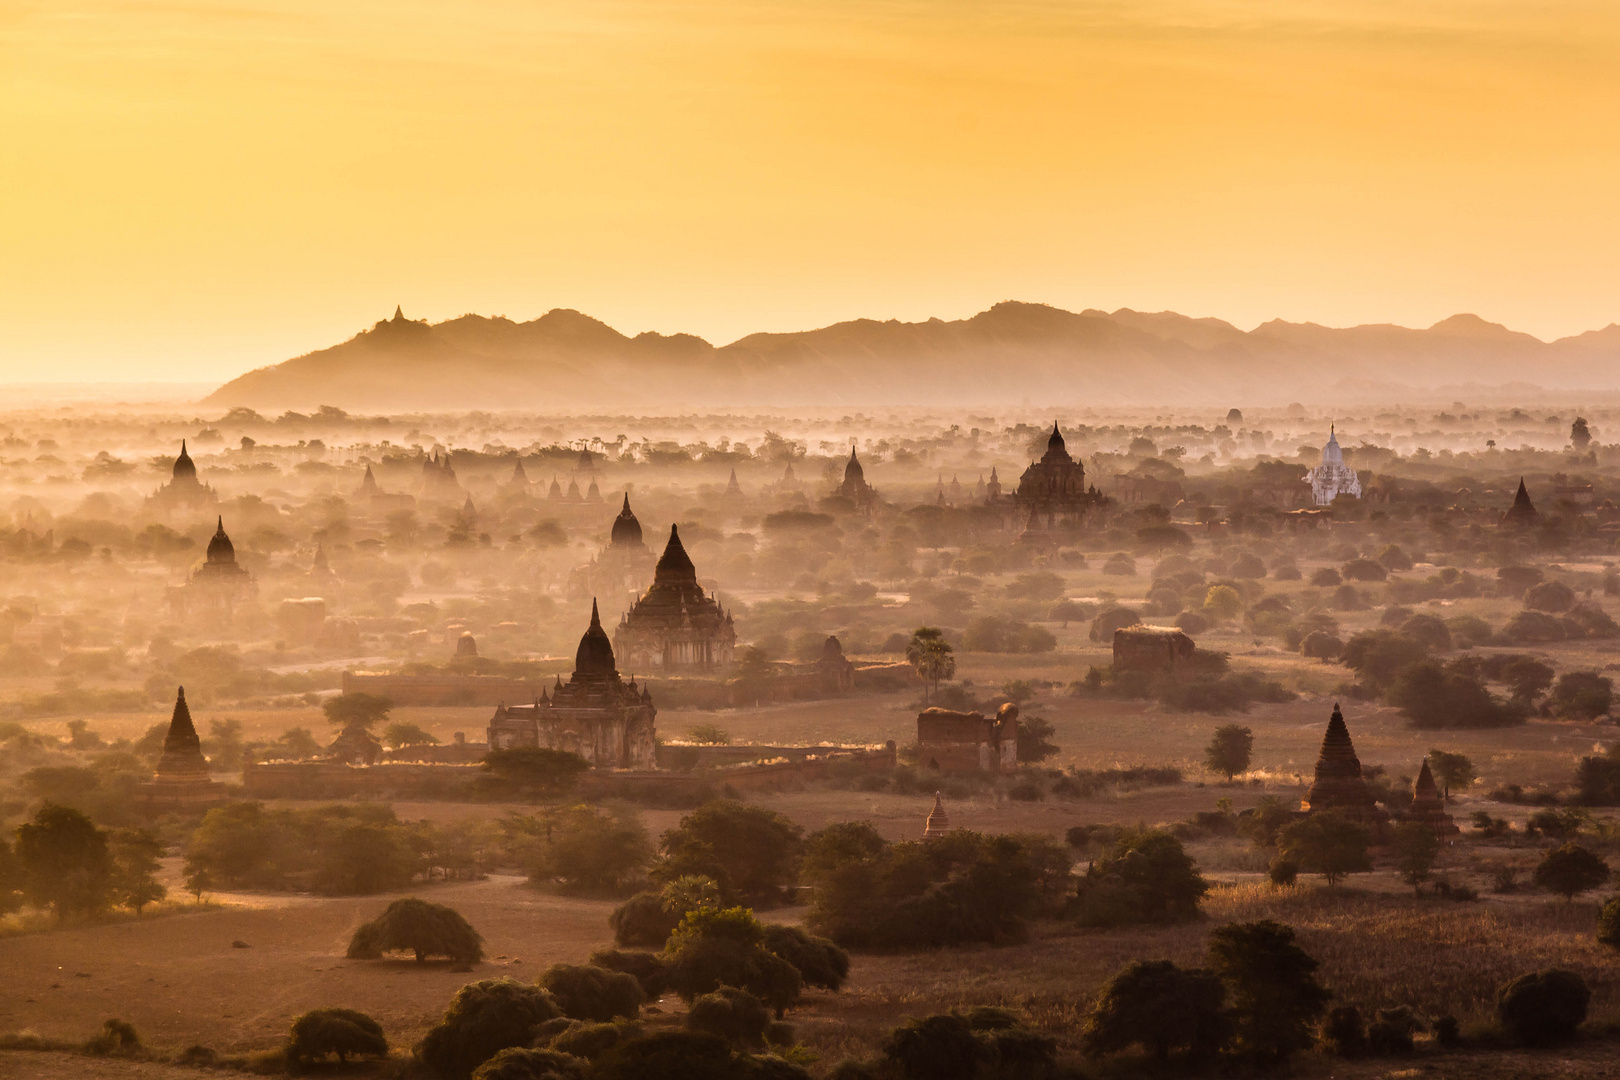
1332, 477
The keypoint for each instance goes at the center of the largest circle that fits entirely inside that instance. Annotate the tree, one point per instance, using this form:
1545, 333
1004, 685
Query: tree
730, 1014
1222, 603
1608, 925
1415, 847
1451, 770
1377, 655
1581, 695
1230, 750
404, 733
1034, 740
820, 962
750, 852
1570, 869
336, 1032
363, 711
586, 849
826, 849
528, 1063
535, 770
483, 1019
726, 947
935, 1048
930, 654
1580, 435
1163, 1007
420, 927
1145, 877
65, 862
676, 1055
1326, 843
587, 992
135, 854
1436, 695
1543, 1008
1271, 985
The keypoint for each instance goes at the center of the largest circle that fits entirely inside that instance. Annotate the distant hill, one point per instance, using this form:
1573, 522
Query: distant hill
1012, 353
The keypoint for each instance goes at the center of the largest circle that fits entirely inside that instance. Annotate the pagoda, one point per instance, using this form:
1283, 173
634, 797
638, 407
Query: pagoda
1052, 492
182, 776
217, 586
675, 625
1332, 477
618, 570
596, 714
1522, 514
1339, 784
183, 491
1427, 806
938, 824
855, 488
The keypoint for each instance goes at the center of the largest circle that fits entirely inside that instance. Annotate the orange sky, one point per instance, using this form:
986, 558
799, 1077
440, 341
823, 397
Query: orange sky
195, 187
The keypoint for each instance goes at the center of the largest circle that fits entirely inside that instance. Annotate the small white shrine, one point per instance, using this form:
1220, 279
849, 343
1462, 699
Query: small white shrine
1332, 477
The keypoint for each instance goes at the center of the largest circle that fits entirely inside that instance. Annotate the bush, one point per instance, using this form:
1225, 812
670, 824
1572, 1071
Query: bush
419, 927
533, 770
821, 963
1428, 630
1326, 578
335, 1032
1377, 656
1344, 1034
591, 1041
586, 849
1570, 869
1271, 985
1282, 873
1391, 1033
1191, 623
1581, 695
116, 1037
1543, 1008
1145, 877
1608, 924
725, 947
1433, 695
525, 1063
645, 967
1106, 622
342, 850
731, 1014
1321, 645
673, 1055
1552, 596
483, 1019
1161, 1006
586, 992
934, 1048
1364, 570
645, 920
751, 853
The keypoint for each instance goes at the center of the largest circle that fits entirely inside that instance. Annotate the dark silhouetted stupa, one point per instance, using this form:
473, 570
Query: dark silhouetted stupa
1339, 784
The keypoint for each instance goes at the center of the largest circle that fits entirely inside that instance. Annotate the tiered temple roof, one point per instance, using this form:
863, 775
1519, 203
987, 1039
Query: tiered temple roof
1052, 491
675, 624
1427, 805
938, 823
1523, 512
182, 772
1339, 784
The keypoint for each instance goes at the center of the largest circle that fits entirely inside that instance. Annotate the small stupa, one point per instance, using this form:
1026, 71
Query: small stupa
182, 772
1339, 784
938, 823
1522, 513
1427, 806
466, 645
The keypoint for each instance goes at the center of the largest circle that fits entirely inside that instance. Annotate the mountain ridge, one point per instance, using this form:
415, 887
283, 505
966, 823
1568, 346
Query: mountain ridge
1010, 352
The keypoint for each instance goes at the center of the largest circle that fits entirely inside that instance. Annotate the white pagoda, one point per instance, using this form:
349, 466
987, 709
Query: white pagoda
1332, 477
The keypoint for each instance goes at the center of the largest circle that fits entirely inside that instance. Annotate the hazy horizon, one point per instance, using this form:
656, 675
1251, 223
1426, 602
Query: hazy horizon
197, 192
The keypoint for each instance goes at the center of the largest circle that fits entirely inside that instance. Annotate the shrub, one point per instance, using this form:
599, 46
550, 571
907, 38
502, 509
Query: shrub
934, 1048
1434, 695
525, 1063
1120, 564
644, 920
1608, 924
1570, 869
1109, 620
821, 963
725, 947
1581, 695
116, 1037
1326, 578
1533, 628
534, 770
1321, 645
1448, 1032
1191, 622
1391, 1033
1543, 1008
420, 927
335, 1032
483, 1019
1377, 656
645, 967
1230, 750
1429, 630
672, 1055
590, 1041
1145, 877
1552, 596
1364, 570
1271, 984
731, 1014
750, 852
64, 861
1344, 1034
1282, 873
1161, 1006
587, 992
587, 849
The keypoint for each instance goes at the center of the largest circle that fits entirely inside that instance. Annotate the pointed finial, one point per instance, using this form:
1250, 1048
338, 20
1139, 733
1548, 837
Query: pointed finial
627, 502
596, 620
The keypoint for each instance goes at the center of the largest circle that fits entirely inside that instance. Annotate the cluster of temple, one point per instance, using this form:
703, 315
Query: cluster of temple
1338, 785
675, 625
596, 714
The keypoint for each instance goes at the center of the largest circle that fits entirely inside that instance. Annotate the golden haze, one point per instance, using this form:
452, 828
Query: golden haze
193, 189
